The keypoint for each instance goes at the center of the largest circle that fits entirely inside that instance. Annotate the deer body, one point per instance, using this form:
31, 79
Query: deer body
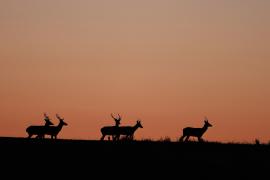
53, 131
111, 130
115, 131
195, 132
128, 131
36, 130
39, 130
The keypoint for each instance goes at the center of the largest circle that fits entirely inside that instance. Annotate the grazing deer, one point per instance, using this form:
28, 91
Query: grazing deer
111, 130
54, 130
196, 132
128, 131
39, 130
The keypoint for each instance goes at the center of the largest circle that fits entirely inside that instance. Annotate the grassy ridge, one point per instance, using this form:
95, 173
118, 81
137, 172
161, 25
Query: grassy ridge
151, 158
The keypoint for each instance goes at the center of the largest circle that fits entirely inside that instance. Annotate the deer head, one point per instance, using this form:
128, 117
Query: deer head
206, 123
139, 124
117, 120
61, 120
47, 120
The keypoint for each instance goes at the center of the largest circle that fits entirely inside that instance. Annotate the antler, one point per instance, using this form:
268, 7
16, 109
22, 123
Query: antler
46, 116
119, 117
113, 116
58, 117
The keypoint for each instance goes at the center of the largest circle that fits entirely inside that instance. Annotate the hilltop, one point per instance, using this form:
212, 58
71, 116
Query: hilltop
139, 158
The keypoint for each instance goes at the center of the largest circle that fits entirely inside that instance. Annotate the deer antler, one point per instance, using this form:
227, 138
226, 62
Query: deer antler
113, 116
46, 116
58, 117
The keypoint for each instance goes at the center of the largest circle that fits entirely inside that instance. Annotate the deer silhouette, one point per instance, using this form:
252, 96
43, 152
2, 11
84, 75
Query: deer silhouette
54, 130
111, 130
196, 132
39, 130
128, 131
117, 124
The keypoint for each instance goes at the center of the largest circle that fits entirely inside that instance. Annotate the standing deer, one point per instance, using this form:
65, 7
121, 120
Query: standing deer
54, 130
39, 130
111, 130
128, 131
117, 123
196, 132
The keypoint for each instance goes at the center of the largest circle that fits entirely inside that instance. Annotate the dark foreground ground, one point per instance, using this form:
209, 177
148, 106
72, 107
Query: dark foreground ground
65, 159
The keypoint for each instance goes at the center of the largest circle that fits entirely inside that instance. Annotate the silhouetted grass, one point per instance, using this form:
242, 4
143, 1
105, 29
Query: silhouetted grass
162, 158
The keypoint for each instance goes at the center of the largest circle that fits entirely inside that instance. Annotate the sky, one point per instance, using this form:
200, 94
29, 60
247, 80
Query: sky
168, 63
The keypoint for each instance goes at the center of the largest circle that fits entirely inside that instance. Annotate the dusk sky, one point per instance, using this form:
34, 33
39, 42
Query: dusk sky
168, 63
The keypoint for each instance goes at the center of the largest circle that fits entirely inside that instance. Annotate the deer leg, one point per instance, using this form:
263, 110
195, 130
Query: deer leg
116, 137
126, 138
30, 135
200, 139
182, 138
187, 138
39, 136
102, 138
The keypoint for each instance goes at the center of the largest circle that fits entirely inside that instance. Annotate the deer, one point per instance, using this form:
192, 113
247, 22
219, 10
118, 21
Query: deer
128, 131
53, 131
195, 132
111, 130
39, 130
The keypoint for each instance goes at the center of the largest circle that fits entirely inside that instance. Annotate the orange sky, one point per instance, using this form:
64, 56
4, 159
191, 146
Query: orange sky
169, 63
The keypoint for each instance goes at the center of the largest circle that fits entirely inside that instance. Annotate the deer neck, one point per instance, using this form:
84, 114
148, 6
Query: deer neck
204, 128
135, 127
59, 127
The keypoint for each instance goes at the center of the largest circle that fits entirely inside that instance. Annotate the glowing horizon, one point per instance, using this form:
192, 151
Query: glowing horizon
168, 63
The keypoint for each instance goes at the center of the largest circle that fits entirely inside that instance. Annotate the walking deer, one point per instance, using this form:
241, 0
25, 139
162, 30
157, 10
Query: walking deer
111, 130
196, 132
54, 130
39, 130
117, 120
128, 131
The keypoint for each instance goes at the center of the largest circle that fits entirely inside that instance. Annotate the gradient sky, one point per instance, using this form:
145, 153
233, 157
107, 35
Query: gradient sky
166, 62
